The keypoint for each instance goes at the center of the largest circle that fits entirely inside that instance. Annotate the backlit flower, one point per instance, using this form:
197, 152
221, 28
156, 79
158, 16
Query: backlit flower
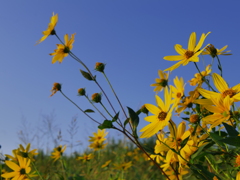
198, 78
57, 152
63, 50
187, 55
161, 82
56, 87
50, 30
26, 153
161, 115
212, 51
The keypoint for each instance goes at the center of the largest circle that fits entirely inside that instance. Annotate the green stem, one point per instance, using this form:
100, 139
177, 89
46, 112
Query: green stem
219, 65
106, 109
36, 170
79, 108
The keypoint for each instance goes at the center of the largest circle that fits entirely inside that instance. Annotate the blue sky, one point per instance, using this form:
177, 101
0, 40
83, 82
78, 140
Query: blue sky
131, 37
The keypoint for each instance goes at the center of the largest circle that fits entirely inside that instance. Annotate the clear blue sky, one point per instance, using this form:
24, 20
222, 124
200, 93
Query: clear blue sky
130, 36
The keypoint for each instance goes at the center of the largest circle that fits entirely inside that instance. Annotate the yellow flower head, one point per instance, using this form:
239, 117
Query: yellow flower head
161, 82
57, 152
177, 90
198, 78
26, 153
50, 30
123, 166
223, 88
238, 160
99, 136
96, 146
212, 51
56, 87
161, 115
85, 157
20, 170
63, 50
187, 55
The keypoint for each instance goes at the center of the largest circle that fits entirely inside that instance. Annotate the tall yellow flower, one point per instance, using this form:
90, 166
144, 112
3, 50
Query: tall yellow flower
50, 30
177, 90
223, 88
63, 50
99, 136
161, 82
21, 170
221, 110
58, 151
187, 55
212, 51
162, 114
26, 153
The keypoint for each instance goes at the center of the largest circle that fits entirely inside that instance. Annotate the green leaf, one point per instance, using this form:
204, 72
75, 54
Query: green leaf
184, 142
107, 124
216, 138
197, 155
126, 122
133, 117
87, 75
234, 141
89, 111
231, 130
115, 117
202, 172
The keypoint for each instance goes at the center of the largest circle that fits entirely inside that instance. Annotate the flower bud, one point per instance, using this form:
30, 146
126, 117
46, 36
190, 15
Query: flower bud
144, 109
194, 118
81, 92
212, 50
56, 87
96, 97
100, 67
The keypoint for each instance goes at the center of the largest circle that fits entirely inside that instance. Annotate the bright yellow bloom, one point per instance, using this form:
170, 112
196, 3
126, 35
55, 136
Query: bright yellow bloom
221, 111
21, 171
162, 114
187, 102
212, 51
26, 153
63, 50
106, 164
223, 88
50, 30
123, 166
161, 82
14, 157
238, 160
58, 151
99, 136
97, 145
187, 55
85, 157
178, 90
198, 78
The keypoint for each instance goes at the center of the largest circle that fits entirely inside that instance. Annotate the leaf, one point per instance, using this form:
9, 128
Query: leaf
202, 172
216, 138
107, 124
233, 140
89, 111
115, 117
231, 130
196, 155
184, 142
134, 119
126, 122
87, 75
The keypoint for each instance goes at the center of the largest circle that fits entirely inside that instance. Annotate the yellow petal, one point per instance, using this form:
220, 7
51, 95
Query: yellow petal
179, 49
219, 82
153, 109
173, 58
201, 41
192, 41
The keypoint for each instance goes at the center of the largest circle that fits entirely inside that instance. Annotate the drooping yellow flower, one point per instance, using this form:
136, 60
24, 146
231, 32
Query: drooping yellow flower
50, 30
223, 88
123, 166
85, 157
99, 136
187, 55
63, 50
26, 153
161, 82
212, 51
96, 146
57, 152
198, 78
20, 171
221, 111
56, 87
161, 115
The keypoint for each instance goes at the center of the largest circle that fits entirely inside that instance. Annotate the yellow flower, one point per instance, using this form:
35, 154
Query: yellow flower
97, 145
123, 166
212, 51
238, 175
26, 153
223, 88
99, 136
161, 82
50, 30
187, 102
56, 87
106, 163
221, 111
63, 50
162, 114
178, 90
21, 171
198, 79
85, 157
58, 151
238, 160
187, 55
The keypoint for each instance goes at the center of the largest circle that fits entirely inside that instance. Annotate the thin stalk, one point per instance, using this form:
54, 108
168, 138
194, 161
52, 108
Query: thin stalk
219, 65
36, 170
105, 109
79, 108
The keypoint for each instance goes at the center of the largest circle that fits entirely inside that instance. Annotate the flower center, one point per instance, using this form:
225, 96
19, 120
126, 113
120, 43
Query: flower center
179, 95
162, 116
188, 54
22, 171
179, 140
163, 82
229, 92
66, 49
